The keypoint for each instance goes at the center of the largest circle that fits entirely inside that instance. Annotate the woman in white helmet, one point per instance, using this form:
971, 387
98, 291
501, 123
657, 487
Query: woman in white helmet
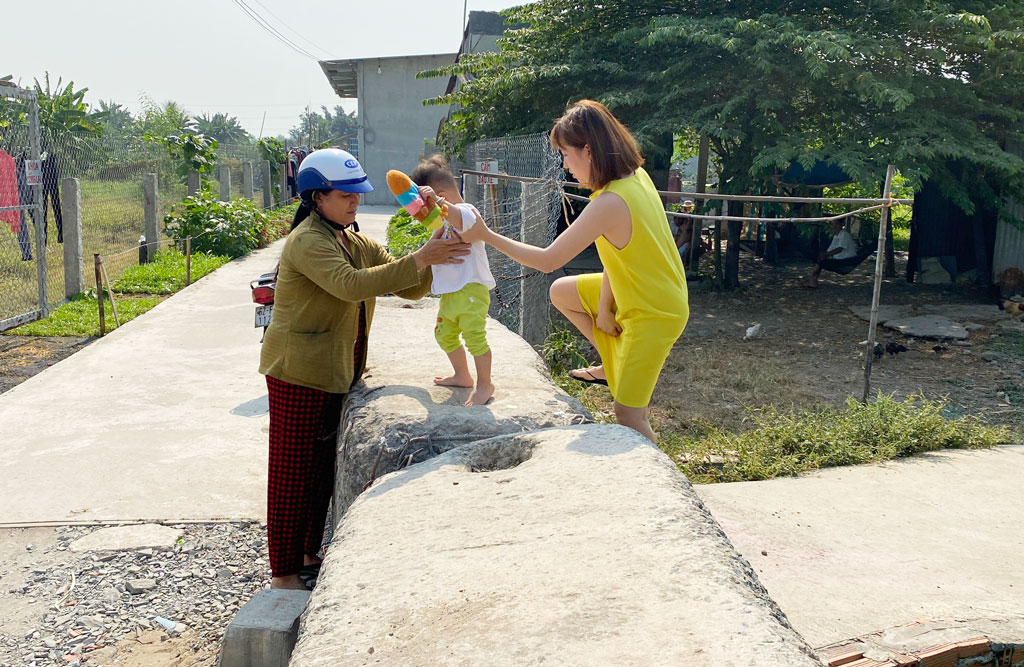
315, 347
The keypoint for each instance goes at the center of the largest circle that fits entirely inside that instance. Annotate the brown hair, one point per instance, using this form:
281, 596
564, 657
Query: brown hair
613, 150
435, 172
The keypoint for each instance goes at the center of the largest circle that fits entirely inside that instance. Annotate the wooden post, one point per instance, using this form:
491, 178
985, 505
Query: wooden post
110, 292
879, 262
99, 293
698, 225
188, 261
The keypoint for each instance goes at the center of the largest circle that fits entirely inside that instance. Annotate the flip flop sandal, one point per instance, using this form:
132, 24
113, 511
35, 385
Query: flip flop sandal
308, 574
591, 380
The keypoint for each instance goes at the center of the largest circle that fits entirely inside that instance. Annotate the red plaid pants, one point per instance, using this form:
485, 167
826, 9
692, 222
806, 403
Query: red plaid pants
300, 480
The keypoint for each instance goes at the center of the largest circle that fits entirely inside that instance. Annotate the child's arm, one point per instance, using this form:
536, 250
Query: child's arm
454, 217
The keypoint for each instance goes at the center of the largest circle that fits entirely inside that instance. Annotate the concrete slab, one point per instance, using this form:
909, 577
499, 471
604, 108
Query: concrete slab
398, 416
149, 422
163, 419
850, 551
967, 311
928, 326
577, 545
885, 312
128, 538
264, 630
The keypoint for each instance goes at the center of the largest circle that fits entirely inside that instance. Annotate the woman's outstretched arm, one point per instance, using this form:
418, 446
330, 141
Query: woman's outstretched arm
604, 215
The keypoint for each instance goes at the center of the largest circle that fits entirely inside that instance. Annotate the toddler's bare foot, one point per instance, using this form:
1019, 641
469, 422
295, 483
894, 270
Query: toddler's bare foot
482, 394
454, 381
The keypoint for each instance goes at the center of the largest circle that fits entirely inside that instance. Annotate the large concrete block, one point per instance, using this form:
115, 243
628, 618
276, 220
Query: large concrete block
263, 632
397, 416
579, 545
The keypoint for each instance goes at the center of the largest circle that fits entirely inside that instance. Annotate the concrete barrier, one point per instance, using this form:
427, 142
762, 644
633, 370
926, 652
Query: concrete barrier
396, 417
578, 545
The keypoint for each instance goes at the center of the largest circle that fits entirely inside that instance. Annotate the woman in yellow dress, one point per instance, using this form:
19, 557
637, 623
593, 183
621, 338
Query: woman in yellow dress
637, 308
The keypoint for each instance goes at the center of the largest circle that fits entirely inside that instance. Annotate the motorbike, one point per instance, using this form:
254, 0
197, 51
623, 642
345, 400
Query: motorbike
263, 296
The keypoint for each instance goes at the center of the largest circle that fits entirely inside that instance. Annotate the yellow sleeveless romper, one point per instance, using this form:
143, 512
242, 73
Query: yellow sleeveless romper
649, 287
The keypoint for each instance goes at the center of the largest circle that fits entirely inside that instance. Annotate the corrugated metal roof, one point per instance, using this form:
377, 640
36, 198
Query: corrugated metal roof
1009, 246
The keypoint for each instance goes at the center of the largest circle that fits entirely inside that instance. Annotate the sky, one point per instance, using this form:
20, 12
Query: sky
210, 56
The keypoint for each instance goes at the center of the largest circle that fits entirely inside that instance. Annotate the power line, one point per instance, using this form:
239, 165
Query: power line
294, 31
273, 32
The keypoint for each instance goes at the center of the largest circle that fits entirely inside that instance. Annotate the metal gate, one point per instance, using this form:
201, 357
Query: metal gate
23, 277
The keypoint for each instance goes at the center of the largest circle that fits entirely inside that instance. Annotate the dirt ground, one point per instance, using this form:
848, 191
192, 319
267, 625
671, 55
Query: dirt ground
809, 351
21, 357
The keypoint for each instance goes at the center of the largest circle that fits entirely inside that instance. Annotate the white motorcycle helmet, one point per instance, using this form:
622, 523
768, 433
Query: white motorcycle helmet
331, 169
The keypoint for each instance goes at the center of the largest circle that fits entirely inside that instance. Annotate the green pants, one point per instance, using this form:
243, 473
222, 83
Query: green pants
464, 312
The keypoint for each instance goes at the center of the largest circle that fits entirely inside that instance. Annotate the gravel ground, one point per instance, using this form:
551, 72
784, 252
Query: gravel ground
91, 601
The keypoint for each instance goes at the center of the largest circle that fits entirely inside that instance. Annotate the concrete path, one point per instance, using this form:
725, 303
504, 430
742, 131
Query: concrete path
163, 419
850, 551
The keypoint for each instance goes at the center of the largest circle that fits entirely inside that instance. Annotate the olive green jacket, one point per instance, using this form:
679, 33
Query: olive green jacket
311, 339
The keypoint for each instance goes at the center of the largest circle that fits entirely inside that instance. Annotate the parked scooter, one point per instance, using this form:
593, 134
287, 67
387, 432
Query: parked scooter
263, 296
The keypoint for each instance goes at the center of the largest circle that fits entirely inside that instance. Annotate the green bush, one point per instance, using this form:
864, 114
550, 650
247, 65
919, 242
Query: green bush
231, 228
405, 234
789, 444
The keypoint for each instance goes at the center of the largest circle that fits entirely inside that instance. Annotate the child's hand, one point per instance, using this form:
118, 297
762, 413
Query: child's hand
427, 194
606, 322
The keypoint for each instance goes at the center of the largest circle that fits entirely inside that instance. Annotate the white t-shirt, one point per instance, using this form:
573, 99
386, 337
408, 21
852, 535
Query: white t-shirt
474, 268
845, 241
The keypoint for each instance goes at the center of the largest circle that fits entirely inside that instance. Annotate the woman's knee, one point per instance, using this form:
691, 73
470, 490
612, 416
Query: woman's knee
564, 294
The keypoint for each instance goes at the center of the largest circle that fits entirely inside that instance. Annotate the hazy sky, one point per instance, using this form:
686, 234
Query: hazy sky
211, 57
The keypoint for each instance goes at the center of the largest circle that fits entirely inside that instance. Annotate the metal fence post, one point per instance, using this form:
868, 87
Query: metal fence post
194, 182
74, 261
533, 304
224, 176
268, 187
247, 189
34, 151
151, 192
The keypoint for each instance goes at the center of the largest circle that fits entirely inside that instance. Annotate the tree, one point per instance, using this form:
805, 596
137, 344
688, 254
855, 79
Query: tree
160, 121
326, 128
119, 122
67, 125
225, 129
918, 83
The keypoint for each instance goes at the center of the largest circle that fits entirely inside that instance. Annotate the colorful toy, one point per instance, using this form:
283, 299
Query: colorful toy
408, 195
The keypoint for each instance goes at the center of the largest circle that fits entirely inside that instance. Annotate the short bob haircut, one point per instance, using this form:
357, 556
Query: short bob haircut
613, 150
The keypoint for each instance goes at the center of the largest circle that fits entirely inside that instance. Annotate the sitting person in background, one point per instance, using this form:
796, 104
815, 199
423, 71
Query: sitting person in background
684, 236
841, 256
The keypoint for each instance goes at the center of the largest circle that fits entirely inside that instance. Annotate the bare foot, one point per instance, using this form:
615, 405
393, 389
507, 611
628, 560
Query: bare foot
454, 381
482, 394
290, 582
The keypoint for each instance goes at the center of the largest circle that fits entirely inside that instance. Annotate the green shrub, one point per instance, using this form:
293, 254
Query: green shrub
789, 444
166, 273
405, 234
231, 228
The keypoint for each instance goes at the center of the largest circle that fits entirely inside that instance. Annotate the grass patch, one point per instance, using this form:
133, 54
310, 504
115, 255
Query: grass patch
1011, 343
80, 316
789, 444
166, 274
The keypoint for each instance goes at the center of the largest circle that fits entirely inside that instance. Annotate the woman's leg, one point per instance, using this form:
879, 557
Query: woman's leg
295, 424
637, 419
566, 298
323, 477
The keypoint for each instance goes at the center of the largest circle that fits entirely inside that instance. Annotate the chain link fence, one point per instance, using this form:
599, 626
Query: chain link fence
110, 173
527, 212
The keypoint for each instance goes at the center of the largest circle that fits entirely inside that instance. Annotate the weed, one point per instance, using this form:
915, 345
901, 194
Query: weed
166, 274
789, 444
80, 316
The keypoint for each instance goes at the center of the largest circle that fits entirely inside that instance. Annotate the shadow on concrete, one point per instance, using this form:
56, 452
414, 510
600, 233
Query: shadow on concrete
254, 408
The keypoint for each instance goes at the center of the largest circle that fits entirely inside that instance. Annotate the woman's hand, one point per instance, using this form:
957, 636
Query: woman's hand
478, 232
440, 251
607, 323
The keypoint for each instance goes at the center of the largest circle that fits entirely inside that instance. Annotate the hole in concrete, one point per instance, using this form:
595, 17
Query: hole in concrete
501, 454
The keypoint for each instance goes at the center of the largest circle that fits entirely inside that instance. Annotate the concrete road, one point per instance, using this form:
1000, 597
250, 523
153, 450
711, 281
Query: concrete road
162, 419
849, 551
